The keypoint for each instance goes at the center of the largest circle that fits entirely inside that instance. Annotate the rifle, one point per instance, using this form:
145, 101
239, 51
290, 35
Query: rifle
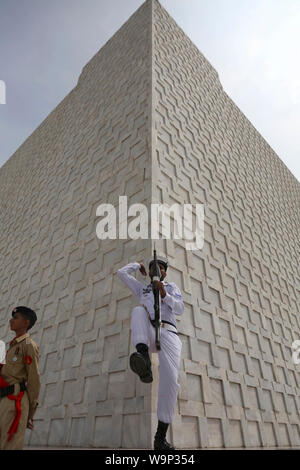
157, 317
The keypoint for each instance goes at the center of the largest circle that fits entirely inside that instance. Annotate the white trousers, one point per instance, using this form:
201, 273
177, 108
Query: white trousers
169, 360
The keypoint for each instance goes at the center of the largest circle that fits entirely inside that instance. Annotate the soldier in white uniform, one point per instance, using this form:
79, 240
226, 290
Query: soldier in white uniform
143, 338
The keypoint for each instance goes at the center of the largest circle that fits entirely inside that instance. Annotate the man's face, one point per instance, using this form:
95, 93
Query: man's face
18, 322
162, 270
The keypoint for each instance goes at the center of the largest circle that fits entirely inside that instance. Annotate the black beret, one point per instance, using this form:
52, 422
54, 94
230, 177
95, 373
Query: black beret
26, 312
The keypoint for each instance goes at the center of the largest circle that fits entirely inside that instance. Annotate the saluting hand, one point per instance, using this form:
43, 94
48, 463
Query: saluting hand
143, 269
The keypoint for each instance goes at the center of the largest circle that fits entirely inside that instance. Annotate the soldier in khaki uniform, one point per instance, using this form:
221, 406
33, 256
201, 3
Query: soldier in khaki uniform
19, 382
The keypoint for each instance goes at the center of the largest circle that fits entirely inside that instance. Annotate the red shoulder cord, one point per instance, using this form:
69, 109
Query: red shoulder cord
14, 425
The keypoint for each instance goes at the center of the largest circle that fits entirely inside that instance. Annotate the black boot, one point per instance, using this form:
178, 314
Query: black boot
140, 363
160, 442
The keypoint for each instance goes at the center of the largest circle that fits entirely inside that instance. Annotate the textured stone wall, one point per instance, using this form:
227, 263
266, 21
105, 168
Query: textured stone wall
92, 148
149, 119
239, 386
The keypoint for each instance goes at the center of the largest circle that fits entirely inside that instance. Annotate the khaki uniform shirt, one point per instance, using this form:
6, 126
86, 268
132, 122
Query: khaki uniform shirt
21, 365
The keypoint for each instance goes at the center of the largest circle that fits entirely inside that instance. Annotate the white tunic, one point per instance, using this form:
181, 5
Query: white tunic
143, 332
171, 305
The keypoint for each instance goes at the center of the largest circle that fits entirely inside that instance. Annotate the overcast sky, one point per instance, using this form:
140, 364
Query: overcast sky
253, 44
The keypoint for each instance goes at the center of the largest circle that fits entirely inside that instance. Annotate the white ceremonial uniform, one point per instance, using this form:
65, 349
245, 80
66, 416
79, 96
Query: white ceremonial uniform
143, 332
